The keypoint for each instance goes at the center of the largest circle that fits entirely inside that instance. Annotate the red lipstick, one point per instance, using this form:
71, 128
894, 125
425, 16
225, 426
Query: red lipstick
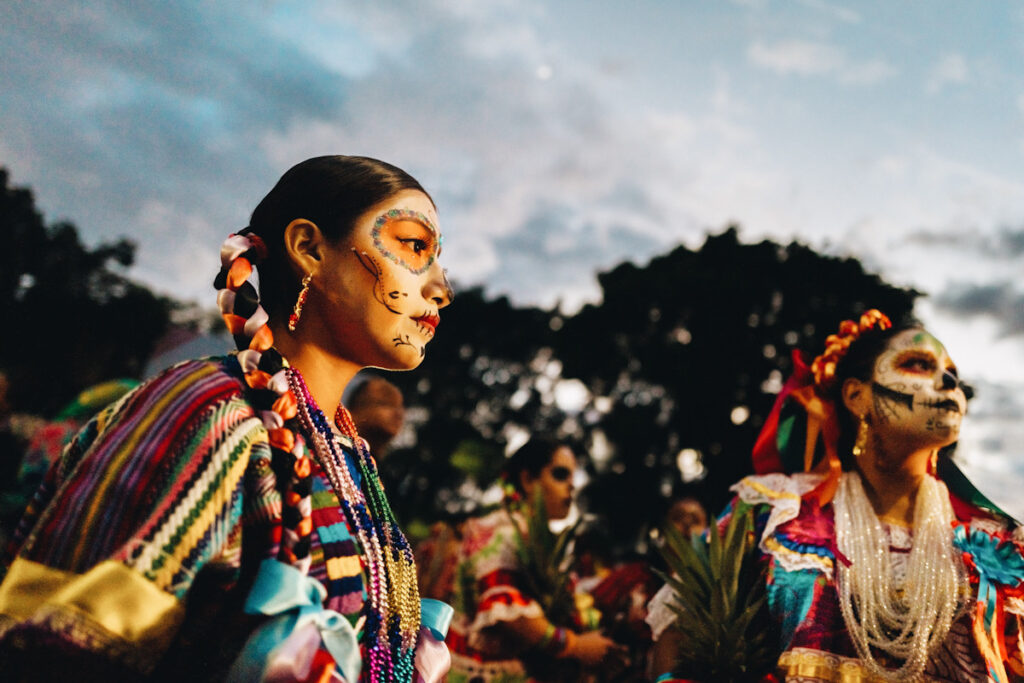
430, 321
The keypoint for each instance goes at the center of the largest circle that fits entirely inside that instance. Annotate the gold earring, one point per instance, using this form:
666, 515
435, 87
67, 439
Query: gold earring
862, 438
293, 319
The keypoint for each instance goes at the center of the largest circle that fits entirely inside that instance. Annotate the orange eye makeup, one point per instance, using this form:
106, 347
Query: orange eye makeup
917, 363
407, 238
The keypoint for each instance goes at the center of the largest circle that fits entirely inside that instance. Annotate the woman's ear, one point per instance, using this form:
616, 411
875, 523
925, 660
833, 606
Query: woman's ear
304, 244
856, 396
526, 482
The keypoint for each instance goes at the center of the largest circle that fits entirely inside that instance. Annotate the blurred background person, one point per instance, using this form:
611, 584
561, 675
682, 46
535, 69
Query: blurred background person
378, 412
501, 631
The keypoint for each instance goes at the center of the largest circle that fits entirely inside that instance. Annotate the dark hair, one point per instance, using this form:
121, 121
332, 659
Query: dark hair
532, 457
330, 191
859, 363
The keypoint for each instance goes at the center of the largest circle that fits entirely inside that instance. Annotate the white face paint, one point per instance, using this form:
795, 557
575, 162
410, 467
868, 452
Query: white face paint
916, 392
382, 286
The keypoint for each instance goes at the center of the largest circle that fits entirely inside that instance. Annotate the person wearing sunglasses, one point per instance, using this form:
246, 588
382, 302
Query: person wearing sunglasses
501, 631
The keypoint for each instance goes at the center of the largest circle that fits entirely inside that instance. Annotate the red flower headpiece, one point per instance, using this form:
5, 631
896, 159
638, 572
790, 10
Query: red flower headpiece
807, 387
836, 345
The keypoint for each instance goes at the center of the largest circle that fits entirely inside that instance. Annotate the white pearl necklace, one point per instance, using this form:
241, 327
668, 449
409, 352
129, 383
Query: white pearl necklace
907, 624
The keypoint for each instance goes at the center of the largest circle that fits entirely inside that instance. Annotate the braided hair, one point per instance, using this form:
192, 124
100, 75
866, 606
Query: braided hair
332, 192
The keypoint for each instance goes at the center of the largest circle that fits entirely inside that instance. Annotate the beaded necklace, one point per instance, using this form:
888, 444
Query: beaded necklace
907, 625
393, 617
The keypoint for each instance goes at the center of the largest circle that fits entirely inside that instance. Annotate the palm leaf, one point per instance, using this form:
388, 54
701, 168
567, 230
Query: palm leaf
544, 557
720, 602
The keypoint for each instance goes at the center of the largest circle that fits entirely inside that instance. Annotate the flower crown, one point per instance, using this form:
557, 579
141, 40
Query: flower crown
837, 345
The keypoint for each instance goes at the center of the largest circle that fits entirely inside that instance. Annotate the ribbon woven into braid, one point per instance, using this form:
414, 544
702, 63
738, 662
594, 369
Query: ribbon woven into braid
264, 371
807, 388
287, 647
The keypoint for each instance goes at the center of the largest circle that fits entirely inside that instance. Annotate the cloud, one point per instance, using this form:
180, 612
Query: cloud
999, 300
796, 57
998, 245
806, 58
111, 108
540, 181
952, 69
843, 14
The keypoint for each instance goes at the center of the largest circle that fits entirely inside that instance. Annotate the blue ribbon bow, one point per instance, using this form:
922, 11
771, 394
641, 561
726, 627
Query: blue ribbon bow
284, 592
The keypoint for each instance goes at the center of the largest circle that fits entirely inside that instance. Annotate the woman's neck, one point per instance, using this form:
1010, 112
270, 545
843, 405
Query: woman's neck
891, 481
326, 375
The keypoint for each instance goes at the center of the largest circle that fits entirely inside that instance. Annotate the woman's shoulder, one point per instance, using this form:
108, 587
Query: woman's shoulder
177, 400
488, 534
776, 489
192, 384
797, 534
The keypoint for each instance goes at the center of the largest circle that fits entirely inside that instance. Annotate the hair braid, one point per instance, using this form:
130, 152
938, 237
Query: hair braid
264, 370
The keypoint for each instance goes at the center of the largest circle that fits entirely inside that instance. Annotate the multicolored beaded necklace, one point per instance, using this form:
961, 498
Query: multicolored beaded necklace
393, 618
280, 393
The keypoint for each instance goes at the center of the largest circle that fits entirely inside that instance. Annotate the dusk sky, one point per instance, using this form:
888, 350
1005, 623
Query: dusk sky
558, 139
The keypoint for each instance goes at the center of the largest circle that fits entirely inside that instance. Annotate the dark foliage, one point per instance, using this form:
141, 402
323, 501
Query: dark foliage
72, 319
686, 352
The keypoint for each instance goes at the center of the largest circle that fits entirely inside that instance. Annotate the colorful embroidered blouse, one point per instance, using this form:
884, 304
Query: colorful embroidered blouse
490, 589
798, 539
139, 548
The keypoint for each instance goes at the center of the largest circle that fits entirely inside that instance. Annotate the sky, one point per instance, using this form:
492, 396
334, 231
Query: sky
560, 138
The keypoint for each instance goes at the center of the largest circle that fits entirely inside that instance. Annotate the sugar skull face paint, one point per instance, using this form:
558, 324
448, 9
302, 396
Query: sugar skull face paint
391, 299
916, 391
407, 237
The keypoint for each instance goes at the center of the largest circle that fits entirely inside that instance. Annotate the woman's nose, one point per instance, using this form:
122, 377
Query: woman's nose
437, 288
949, 381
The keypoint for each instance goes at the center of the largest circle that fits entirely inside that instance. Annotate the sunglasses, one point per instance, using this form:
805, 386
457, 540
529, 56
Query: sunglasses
561, 473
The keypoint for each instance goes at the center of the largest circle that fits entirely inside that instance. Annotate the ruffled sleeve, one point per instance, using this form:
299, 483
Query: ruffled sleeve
796, 539
146, 498
489, 547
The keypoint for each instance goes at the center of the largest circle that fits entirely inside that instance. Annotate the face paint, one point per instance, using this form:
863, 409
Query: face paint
912, 390
555, 482
408, 238
383, 283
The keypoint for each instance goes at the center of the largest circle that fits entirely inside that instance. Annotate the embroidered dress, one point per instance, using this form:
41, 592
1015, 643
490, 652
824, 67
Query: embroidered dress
139, 549
491, 591
799, 542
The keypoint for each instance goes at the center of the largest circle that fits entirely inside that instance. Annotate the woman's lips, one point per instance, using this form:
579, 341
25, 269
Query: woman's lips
430, 321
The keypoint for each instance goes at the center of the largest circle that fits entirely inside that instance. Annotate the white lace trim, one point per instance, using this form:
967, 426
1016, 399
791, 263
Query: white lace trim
783, 492
659, 615
497, 614
501, 670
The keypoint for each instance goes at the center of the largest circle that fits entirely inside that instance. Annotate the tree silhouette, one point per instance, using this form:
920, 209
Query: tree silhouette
682, 356
72, 317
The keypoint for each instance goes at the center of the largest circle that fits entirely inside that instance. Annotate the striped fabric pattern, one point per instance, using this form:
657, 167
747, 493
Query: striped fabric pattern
166, 514
169, 482
335, 552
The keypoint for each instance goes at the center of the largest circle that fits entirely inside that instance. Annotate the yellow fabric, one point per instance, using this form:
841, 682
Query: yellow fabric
110, 595
341, 567
824, 666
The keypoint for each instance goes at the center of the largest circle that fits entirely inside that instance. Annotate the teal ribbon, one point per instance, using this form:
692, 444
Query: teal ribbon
436, 616
997, 563
294, 599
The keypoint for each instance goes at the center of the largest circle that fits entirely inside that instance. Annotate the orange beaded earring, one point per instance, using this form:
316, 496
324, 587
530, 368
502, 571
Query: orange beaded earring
293, 319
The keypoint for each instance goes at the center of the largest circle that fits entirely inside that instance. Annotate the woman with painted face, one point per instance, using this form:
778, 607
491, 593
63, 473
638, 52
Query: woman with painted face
885, 563
501, 632
225, 520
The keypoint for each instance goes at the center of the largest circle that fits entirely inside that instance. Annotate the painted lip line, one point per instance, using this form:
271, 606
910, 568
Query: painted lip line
430, 321
946, 404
